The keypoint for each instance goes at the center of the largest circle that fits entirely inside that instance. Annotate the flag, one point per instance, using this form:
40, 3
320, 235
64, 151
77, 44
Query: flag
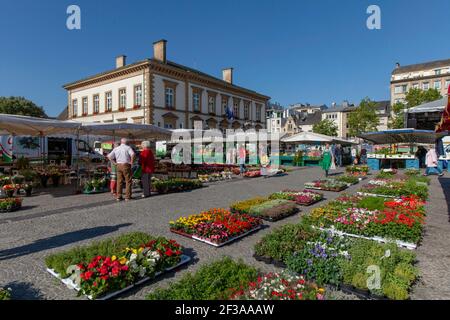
229, 113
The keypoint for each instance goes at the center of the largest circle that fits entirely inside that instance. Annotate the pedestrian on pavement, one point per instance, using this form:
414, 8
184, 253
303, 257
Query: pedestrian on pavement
147, 162
327, 157
242, 155
432, 162
113, 174
421, 154
354, 154
363, 156
338, 155
123, 157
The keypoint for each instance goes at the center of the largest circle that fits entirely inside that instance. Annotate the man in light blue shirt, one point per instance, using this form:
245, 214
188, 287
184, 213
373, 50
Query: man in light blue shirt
123, 157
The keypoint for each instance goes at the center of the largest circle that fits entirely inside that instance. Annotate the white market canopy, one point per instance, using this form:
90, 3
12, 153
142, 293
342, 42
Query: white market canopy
433, 106
311, 137
32, 126
126, 130
406, 136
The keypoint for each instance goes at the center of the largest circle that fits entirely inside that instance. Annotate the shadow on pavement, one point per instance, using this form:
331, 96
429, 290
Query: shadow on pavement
24, 291
445, 184
59, 241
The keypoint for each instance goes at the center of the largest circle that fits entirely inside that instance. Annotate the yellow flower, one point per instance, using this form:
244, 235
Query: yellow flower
321, 291
113, 258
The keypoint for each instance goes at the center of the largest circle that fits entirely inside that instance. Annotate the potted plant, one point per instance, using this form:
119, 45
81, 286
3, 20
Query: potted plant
9, 190
55, 174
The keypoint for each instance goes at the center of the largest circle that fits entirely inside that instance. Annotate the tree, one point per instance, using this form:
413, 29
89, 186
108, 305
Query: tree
397, 120
413, 98
21, 106
364, 118
326, 127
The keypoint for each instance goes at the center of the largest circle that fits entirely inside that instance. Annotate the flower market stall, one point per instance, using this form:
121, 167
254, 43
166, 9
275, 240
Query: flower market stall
113, 266
385, 158
215, 227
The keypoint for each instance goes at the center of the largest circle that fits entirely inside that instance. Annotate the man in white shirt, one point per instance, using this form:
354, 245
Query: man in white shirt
123, 157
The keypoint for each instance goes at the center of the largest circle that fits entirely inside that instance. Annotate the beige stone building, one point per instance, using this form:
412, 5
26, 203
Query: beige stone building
434, 74
160, 92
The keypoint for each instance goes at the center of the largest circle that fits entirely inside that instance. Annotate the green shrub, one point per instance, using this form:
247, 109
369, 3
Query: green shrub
244, 206
284, 241
211, 282
5, 294
109, 247
371, 203
396, 268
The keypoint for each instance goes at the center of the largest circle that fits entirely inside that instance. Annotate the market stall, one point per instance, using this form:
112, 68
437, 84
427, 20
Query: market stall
393, 156
308, 148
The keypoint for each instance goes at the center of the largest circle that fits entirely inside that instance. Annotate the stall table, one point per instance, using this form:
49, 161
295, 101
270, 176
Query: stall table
377, 162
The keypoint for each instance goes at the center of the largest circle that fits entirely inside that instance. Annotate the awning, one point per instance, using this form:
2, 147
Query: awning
311, 137
31, 126
433, 106
407, 136
126, 130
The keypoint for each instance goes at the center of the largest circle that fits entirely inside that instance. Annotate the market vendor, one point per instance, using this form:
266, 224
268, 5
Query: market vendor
327, 157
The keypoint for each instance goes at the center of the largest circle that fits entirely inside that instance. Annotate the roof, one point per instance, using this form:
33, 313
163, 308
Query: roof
402, 136
64, 115
169, 63
310, 119
433, 106
384, 105
339, 108
421, 66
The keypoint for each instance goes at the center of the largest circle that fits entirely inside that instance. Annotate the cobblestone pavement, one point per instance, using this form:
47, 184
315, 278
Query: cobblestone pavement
27, 236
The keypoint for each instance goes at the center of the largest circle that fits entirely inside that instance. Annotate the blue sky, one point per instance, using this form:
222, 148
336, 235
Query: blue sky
294, 51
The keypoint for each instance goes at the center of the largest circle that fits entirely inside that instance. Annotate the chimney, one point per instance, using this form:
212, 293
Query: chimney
159, 50
397, 65
345, 104
121, 61
227, 75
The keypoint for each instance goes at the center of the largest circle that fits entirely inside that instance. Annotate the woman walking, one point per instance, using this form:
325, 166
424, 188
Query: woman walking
431, 160
147, 162
327, 158
242, 155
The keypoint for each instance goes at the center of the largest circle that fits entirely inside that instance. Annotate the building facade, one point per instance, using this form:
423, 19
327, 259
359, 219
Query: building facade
274, 118
160, 92
428, 75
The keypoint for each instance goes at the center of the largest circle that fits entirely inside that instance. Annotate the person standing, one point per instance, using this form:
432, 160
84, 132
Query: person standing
327, 157
338, 155
431, 161
353, 154
123, 157
147, 162
113, 174
421, 154
242, 155
363, 156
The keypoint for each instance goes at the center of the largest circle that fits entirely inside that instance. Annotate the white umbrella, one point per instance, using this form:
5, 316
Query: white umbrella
31, 126
126, 130
308, 137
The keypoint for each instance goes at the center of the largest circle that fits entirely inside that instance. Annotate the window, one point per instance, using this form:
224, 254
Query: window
197, 99
138, 96
74, 107
398, 89
169, 97
108, 101
437, 85
122, 99
224, 104
415, 86
212, 104
404, 88
170, 94
85, 106
236, 108
425, 86
258, 113
96, 100
246, 110
437, 72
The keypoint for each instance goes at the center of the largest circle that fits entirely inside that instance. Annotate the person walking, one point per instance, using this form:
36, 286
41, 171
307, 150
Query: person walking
421, 154
147, 162
431, 161
338, 155
354, 154
327, 157
363, 156
242, 155
123, 157
113, 174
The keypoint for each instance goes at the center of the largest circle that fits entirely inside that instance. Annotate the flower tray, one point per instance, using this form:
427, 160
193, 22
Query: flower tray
194, 237
72, 285
280, 217
267, 260
399, 243
337, 189
309, 203
181, 233
376, 195
96, 191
